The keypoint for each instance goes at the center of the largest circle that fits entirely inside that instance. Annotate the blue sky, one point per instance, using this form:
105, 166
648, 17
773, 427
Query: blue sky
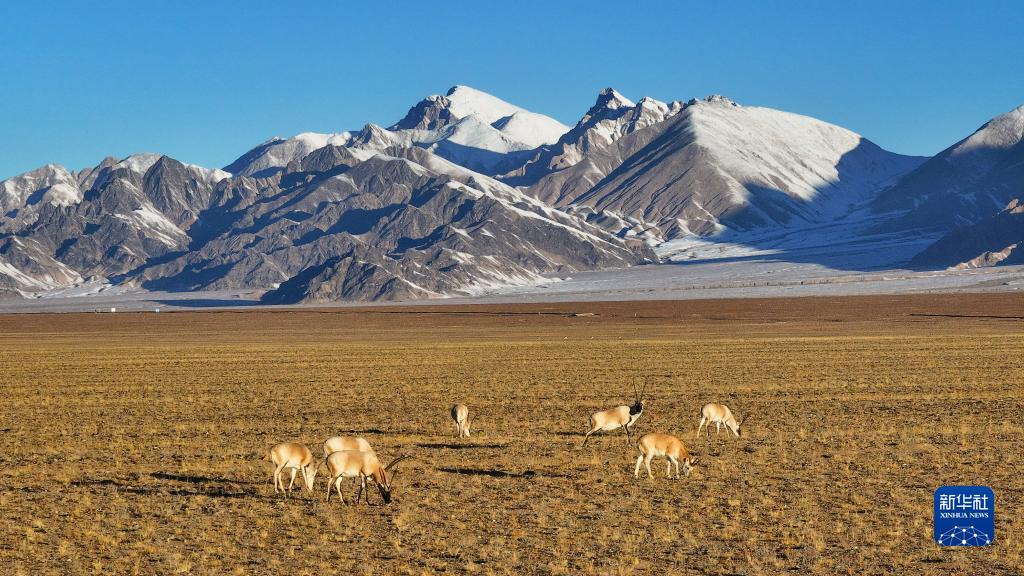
205, 81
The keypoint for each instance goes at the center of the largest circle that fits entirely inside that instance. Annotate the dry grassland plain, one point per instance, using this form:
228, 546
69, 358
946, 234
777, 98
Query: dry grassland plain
136, 443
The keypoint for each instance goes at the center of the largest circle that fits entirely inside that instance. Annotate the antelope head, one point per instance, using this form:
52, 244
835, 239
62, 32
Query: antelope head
688, 465
309, 475
387, 479
638, 399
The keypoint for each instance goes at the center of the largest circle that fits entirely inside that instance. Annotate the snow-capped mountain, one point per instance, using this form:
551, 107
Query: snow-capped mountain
104, 221
468, 192
610, 118
466, 126
273, 155
966, 182
665, 171
22, 197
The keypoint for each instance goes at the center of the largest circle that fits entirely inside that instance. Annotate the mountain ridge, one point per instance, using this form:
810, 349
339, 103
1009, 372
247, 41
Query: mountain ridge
402, 212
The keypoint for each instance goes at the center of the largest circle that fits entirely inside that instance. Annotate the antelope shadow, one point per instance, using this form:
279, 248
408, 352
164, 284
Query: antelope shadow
456, 446
495, 473
196, 479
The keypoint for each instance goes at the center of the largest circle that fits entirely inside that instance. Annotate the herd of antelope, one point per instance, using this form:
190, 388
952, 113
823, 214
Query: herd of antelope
353, 457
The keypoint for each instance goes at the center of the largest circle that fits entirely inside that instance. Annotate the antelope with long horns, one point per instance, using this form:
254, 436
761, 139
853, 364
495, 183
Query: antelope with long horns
338, 443
619, 417
296, 458
669, 447
719, 414
362, 465
460, 414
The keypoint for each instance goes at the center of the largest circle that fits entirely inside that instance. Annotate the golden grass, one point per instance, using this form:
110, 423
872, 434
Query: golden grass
135, 443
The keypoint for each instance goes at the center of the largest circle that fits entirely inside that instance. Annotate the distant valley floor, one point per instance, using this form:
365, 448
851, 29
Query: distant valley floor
751, 276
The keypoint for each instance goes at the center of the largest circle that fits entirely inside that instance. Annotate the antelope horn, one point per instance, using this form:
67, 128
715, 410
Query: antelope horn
636, 395
742, 421
396, 461
643, 392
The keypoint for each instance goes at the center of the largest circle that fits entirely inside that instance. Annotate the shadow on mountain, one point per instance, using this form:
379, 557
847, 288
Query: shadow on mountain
480, 160
354, 221
951, 190
154, 261
790, 229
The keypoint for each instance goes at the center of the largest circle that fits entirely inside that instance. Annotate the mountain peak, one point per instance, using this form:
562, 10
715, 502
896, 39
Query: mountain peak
719, 99
1003, 131
650, 103
140, 162
611, 99
431, 113
466, 101
713, 99
459, 88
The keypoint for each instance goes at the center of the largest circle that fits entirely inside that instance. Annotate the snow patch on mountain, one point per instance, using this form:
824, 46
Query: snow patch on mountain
1002, 132
530, 128
611, 117
51, 183
274, 154
466, 101
139, 163
798, 155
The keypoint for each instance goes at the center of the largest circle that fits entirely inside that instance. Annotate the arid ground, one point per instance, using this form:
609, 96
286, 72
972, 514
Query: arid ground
136, 443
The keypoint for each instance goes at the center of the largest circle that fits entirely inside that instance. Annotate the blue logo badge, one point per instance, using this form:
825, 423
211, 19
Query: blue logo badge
965, 516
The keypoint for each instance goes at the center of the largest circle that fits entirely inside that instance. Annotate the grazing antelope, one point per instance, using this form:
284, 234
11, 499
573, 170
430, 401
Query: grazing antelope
295, 458
338, 443
460, 414
718, 414
651, 445
618, 417
362, 465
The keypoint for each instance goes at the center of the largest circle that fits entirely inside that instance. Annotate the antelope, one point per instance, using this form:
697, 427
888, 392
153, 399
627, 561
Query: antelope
337, 443
651, 445
460, 414
718, 414
362, 465
618, 417
296, 458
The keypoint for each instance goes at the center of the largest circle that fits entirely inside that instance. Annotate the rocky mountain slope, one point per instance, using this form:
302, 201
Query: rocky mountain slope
364, 225
103, 221
993, 241
341, 225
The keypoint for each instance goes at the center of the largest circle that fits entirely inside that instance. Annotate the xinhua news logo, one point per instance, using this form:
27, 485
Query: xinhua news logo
965, 516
